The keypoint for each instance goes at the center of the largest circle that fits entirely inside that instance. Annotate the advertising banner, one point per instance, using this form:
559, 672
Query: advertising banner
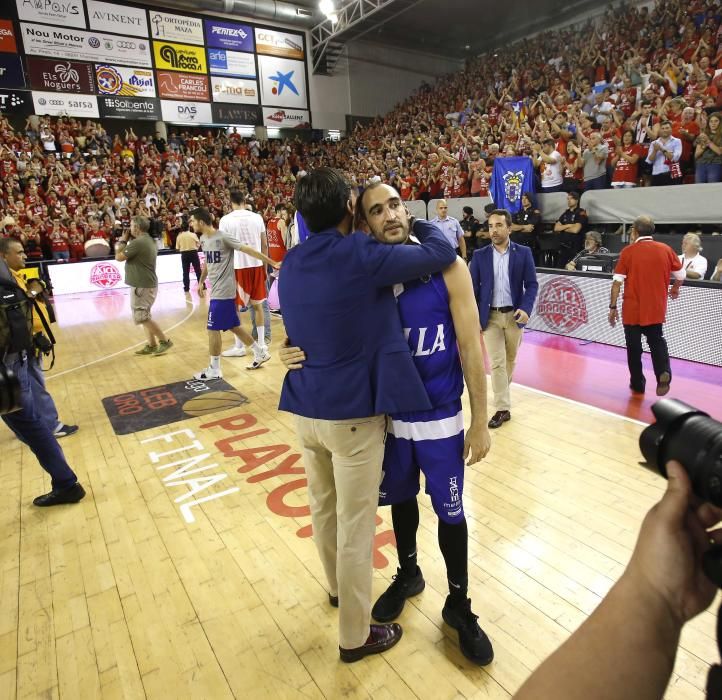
189, 59
59, 75
275, 43
577, 306
232, 63
11, 71
68, 13
122, 19
229, 35
77, 45
7, 36
181, 86
129, 108
186, 112
57, 104
286, 118
118, 80
283, 82
239, 115
234, 90
167, 27
16, 102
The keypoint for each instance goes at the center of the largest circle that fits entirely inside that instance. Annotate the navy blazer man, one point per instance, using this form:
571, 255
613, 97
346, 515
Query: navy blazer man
522, 279
505, 287
338, 305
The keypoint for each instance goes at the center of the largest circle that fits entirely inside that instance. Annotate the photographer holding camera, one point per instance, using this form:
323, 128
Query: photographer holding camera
626, 649
33, 422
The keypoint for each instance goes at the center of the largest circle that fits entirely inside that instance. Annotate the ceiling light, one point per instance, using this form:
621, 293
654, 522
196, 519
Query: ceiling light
326, 6
333, 17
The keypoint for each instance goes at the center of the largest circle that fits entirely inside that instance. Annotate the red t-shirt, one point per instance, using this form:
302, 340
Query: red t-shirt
276, 245
625, 171
647, 266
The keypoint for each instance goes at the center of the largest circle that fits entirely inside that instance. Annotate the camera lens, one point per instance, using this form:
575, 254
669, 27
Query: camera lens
9, 391
691, 437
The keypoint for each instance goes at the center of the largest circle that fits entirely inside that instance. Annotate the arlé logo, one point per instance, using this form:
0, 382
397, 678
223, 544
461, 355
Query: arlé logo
562, 306
104, 275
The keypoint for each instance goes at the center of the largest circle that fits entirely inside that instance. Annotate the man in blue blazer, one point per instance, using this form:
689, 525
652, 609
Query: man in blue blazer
505, 287
336, 291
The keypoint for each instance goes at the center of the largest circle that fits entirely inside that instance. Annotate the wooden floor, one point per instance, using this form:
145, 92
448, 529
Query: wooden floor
147, 590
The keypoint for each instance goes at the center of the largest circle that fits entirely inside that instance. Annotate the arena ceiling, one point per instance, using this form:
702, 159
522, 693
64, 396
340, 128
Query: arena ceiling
449, 28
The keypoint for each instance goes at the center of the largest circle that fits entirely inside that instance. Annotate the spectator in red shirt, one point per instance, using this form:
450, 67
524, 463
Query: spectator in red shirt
625, 161
645, 267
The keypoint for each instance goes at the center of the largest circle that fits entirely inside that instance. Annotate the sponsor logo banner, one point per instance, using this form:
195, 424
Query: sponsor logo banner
122, 107
234, 90
68, 13
281, 44
233, 63
59, 75
76, 45
246, 115
229, 35
11, 71
286, 118
130, 82
7, 36
123, 19
17, 102
188, 59
181, 86
186, 112
283, 82
57, 104
167, 27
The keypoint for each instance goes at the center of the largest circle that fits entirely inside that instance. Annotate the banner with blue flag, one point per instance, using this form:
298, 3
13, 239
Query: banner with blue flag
510, 178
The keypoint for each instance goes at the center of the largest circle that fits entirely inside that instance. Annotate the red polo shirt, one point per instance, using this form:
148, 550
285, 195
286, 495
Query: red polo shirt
645, 267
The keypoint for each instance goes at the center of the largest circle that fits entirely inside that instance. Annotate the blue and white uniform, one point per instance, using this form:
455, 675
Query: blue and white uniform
429, 441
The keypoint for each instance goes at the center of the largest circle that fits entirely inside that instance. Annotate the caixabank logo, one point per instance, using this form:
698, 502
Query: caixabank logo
562, 306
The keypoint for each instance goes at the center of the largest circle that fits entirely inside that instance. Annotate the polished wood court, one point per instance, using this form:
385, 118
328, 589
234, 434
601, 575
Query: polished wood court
143, 590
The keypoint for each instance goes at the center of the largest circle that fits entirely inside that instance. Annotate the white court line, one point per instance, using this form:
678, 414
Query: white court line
580, 403
120, 352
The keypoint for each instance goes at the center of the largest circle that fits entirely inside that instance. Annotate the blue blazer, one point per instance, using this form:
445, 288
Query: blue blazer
522, 278
337, 300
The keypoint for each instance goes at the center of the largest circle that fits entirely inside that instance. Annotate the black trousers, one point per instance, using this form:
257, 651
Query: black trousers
569, 245
190, 258
657, 347
664, 179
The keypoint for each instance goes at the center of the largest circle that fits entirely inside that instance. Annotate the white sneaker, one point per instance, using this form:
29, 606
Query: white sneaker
207, 374
234, 352
259, 359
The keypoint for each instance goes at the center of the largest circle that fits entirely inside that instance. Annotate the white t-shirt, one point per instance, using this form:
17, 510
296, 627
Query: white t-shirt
248, 228
696, 264
552, 174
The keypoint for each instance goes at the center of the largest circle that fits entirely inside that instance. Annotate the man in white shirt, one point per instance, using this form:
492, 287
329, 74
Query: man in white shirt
694, 264
248, 228
549, 160
664, 154
450, 227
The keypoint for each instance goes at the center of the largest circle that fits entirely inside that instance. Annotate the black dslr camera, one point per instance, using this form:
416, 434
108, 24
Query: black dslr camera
9, 391
692, 438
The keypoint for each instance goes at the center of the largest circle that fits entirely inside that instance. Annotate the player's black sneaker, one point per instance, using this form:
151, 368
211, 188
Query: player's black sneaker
473, 642
391, 602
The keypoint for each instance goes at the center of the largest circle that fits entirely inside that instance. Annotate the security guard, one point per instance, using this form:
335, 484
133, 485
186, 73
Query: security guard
470, 226
571, 227
527, 226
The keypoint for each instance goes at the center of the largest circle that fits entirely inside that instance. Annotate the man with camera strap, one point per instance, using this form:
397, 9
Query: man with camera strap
32, 421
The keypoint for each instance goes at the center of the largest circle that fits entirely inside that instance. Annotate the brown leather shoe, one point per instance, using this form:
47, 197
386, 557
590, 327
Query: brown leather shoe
333, 600
498, 418
382, 637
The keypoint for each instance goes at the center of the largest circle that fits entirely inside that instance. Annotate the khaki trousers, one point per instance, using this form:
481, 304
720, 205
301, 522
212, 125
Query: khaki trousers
502, 338
343, 460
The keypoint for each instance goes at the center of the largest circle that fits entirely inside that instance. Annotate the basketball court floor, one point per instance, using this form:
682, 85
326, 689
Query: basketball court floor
189, 572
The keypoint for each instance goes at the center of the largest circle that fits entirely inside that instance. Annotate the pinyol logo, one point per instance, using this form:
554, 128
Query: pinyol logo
281, 115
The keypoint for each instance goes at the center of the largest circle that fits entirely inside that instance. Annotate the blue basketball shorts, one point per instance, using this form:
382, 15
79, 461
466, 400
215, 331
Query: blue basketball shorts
431, 442
222, 315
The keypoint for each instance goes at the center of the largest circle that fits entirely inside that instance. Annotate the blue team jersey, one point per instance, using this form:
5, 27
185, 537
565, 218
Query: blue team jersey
429, 329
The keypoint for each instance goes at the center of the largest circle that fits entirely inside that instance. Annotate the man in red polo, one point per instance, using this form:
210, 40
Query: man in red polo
645, 267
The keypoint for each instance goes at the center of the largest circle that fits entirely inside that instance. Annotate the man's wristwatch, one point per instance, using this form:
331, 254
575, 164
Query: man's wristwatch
612, 307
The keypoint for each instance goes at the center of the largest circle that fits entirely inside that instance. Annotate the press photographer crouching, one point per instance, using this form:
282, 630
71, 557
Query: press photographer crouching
626, 649
35, 422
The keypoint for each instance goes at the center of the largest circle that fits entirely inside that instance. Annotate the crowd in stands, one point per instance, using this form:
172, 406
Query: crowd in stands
629, 99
